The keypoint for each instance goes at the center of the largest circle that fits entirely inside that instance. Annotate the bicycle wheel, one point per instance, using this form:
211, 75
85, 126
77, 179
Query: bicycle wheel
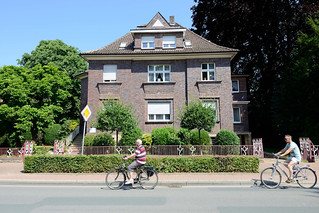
115, 179
270, 177
306, 178
148, 179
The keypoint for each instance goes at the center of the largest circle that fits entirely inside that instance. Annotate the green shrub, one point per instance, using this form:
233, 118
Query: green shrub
88, 139
226, 137
165, 136
204, 138
99, 163
147, 139
185, 136
52, 133
103, 139
67, 127
41, 150
129, 137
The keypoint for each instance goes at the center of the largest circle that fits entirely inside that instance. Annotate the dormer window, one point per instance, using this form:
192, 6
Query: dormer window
169, 41
148, 42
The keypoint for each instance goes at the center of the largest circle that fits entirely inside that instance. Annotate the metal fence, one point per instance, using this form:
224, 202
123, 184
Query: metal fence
175, 150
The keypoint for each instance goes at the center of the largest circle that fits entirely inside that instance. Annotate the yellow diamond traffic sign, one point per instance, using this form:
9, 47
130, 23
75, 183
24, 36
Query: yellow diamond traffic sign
86, 112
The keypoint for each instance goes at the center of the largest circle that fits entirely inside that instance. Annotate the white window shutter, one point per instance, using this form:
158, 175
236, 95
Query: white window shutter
109, 72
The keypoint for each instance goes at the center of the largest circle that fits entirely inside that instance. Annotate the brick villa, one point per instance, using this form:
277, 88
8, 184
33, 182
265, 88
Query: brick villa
160, 66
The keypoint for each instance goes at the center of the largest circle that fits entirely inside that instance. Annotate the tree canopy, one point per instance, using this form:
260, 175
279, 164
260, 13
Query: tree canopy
265, 32
65, 57
198, 115
297, 99
115, 116
32, 99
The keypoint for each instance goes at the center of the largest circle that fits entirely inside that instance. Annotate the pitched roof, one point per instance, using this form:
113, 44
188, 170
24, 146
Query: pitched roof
198, 43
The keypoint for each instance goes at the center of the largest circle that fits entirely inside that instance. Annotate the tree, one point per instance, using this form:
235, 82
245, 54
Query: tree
32, 99
65, 57
265, 32
297, 100
115, 116
198, 116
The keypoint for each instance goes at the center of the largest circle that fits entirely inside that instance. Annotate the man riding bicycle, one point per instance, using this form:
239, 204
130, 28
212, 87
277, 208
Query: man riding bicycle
140, 159
295, 156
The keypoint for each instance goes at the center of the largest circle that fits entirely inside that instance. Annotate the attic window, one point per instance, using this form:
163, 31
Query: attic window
122, 45
169, 41
188, 43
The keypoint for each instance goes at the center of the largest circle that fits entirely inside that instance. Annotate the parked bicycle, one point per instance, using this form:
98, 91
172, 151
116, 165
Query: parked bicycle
303, 175
146, 176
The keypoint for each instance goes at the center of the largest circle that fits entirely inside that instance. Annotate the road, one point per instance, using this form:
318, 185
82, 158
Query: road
163, 199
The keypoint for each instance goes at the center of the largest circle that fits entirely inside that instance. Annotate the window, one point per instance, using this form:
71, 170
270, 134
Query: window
159, 111
169, 41
159, 73
236, 114
212, 104
109, 73
208, 72
235, 86
148, 42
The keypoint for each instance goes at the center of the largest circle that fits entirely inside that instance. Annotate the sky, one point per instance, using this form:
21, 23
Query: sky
84, 24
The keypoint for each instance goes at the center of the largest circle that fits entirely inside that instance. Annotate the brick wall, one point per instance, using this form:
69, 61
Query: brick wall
132, 86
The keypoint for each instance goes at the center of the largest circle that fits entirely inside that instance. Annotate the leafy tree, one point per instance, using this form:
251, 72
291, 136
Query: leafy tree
198, 116
65, 57
32, 99
115, 116
297, 101
265, 32
128, 138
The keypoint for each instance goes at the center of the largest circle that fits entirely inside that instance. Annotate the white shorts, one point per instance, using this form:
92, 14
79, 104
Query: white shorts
293, 159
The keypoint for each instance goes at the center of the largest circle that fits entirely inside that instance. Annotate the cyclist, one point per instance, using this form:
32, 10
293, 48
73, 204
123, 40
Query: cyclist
140, 159
295, 156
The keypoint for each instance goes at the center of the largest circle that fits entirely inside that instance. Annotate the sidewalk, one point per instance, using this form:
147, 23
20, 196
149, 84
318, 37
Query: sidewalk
11, 173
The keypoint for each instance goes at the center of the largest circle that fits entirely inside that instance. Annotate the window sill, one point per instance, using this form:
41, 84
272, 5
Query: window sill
208, 82
159, 122
160, 83
110, 82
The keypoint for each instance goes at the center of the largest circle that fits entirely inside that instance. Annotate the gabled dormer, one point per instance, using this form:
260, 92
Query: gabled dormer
159, 34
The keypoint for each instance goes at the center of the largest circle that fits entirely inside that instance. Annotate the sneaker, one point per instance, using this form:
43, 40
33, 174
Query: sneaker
131, 181
289, 180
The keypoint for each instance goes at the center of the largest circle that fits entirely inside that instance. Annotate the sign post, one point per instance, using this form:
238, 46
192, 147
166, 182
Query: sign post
86, 113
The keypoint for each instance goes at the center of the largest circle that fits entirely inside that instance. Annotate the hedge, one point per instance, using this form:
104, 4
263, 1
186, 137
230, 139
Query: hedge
104, 163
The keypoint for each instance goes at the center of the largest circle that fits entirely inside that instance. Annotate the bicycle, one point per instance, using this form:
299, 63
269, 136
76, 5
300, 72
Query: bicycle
304, 175
146, 176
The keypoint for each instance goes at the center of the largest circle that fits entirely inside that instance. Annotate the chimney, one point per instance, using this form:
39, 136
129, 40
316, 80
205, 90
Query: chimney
171, 20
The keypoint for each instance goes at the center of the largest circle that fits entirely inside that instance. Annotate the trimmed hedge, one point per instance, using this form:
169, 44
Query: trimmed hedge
104, 163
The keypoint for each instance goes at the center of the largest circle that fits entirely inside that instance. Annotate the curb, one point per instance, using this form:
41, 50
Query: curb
171, 184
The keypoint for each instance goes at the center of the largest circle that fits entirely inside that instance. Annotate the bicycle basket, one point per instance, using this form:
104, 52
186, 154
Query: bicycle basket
149, 170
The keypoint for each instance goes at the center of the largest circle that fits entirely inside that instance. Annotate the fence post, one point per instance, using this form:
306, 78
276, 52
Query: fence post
307, 149
27, 148
58, 147
258, 149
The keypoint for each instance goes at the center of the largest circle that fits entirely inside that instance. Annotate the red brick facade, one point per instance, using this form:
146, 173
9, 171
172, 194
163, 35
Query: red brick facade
133, 86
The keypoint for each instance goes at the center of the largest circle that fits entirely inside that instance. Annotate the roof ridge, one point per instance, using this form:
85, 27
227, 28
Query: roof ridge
211, 41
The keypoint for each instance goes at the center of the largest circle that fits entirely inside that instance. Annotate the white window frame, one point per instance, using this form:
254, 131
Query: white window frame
169, 42
235, 91
214, 104
149, 41
159, 111
209, 70
109, 73
159, 73
239, 116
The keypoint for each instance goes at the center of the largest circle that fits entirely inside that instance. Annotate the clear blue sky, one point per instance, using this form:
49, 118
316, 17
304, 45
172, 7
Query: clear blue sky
85, 24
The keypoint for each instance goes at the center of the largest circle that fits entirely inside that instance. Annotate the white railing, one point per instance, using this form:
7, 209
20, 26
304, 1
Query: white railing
72, 135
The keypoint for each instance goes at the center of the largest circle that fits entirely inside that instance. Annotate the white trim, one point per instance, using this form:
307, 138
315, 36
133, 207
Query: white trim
143, 57
158, 31
241, 102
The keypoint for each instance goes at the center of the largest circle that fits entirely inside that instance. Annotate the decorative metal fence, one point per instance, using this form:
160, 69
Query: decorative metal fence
178, 150
308, 150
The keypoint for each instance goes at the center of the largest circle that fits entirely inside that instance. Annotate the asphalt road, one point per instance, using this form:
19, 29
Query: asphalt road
163, 199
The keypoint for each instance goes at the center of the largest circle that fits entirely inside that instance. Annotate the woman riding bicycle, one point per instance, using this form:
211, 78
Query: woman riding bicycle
295, 156
140, 159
